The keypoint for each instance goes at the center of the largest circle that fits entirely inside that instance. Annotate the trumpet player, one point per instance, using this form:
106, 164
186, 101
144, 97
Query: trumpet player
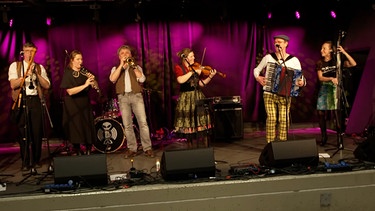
78, 117
127, 77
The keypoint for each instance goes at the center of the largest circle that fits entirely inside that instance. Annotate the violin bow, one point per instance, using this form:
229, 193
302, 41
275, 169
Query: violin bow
204, 53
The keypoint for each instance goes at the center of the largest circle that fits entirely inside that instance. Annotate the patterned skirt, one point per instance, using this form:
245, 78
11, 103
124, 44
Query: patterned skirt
191, 119
327, 97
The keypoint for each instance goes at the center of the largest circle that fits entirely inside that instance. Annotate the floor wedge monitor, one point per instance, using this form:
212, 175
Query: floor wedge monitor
288, 153
188, 164
87, 170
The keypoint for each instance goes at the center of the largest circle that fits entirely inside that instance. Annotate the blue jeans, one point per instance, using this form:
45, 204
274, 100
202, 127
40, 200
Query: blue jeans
130, 103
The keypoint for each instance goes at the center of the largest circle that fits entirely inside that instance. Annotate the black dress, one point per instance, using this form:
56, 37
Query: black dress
78, 118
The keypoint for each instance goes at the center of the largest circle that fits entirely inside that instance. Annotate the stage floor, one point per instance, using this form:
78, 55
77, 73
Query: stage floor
234, 159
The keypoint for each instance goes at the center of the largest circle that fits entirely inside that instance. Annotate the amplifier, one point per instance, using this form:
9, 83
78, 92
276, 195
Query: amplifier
228, 121
226, 100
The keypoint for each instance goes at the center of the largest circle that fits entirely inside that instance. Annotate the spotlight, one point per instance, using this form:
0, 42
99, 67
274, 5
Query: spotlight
269, 15
49, 21
333, 14
298, 16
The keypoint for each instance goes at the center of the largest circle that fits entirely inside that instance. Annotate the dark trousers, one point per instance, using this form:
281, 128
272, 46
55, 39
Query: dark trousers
30, 128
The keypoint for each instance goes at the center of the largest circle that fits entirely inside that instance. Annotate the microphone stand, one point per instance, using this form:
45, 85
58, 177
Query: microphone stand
50, 169
64, 147
284, 86
27, 153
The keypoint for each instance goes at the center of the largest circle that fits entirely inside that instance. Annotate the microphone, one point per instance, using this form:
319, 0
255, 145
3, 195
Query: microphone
278, 46
66, 52
183, 56
21, 53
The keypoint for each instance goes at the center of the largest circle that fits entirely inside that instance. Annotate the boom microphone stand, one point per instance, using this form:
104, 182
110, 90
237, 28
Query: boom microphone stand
288, 78
45, 110
27, 153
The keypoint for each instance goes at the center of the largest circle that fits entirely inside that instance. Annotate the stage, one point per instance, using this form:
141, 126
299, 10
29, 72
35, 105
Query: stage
239, 182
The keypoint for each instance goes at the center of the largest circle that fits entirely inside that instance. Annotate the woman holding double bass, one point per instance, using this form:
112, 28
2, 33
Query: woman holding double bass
328, 69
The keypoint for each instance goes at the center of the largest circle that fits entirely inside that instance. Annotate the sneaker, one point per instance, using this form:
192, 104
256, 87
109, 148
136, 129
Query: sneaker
130, 154
149, 153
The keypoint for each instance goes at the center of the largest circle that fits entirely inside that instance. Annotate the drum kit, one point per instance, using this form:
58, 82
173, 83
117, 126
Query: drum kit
109, 131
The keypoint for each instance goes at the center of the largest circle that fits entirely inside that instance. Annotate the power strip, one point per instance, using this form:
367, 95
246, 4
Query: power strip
58, 187
117, 177
335, 167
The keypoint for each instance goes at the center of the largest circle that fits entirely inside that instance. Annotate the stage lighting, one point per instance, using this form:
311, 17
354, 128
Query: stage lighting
298, 16
49, 21
333, 14
269, 15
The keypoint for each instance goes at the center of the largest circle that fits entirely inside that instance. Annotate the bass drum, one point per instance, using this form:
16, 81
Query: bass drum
110, 135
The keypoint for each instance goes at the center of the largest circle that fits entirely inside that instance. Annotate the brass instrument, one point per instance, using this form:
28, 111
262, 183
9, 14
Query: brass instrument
130, 62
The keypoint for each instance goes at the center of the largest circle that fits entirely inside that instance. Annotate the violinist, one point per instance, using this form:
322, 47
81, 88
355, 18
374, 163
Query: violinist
190, 122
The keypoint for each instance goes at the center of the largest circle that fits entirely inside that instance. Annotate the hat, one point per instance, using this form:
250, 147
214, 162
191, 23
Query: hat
282, 36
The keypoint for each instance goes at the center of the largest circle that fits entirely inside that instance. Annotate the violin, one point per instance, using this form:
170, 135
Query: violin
206, 70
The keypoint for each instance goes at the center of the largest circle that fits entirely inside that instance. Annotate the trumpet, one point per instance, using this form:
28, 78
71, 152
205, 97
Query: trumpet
130, 61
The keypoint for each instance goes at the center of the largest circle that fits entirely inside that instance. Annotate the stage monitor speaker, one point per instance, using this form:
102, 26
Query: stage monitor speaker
188, 164
87, 170
228, 122
365, 151
287, 153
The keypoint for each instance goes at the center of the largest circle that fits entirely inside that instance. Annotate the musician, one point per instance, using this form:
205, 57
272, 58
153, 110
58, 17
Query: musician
276, 103
326, 69
191, 81
78, 118
30, 126
127, 77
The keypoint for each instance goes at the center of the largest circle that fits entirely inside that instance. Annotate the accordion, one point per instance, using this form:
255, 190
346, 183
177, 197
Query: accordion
282, 82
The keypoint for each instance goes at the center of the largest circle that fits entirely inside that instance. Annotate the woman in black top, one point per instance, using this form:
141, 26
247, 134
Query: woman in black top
78, 117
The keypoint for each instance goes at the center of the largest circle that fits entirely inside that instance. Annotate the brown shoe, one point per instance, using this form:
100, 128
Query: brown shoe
149, 153
130, 154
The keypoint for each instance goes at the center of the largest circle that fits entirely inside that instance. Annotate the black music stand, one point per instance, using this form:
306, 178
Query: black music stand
207, 105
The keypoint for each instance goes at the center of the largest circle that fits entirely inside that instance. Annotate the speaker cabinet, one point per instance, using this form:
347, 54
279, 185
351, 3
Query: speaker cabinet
365, 151
88, 170
188, 164
228, 121
292, 152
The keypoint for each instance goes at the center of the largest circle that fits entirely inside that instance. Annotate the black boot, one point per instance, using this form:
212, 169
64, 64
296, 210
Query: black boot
77, 149
88, 149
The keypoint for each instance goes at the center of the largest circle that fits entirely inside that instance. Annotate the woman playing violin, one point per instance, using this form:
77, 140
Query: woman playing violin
191, 122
